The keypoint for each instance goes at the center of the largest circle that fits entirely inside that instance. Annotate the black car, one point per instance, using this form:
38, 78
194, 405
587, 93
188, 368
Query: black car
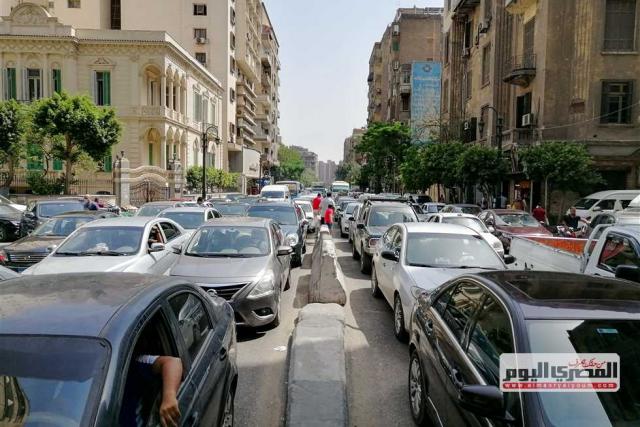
374, 218
292, 221
70, 345
9, 223
459, 331
39, 211
31, 249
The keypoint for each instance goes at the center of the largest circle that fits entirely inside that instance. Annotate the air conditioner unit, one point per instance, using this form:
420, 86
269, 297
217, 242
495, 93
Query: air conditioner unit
396, 65
201, 40
466, 52
396, 29
527, 119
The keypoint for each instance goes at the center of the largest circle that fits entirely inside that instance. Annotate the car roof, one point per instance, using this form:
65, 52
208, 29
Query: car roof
122, 221
79, 304
507, 211
248, 221
80, 213
267, 203
437, 228
606, 193
463, 205
48, 201
161, 203
456, 215
389, 204
187, 209
555, 295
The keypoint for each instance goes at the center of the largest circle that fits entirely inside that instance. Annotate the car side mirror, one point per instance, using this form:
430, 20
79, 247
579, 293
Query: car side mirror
285, 250
51, 248
351, 218
484, 400
628, 272
597, 209
29, 215
509, 259
177, 249
390, 255
156, 247
360, 226
492, 229
212, 293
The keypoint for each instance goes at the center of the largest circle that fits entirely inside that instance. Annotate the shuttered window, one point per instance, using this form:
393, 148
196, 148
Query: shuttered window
617, 98
56, 80
11, 91
620, 25
528, 39
102, 88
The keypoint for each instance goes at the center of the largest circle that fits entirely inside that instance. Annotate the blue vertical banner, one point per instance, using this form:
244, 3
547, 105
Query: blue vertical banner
425, 100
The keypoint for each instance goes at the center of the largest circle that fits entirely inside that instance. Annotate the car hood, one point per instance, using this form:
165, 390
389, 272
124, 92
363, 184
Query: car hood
219, 270
15, 217
377, 231
430, 278
289, 229
34, 243
81, 264
531, 231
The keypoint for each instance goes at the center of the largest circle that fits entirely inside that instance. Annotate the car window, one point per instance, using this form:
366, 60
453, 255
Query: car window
491, 336
170, 230
440, 304
397, 242
462, 305
209, 215
193, 321
618, 250
625, 203
388, 236
155, 235
607, 204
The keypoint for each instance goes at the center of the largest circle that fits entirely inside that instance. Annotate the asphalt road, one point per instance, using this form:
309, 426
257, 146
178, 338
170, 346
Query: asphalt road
377, 364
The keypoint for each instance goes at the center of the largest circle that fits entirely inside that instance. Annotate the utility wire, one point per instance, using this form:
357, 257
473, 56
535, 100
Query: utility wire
591, 119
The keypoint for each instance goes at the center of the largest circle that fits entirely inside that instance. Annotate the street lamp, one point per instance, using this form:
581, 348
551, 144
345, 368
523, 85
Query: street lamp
209, 132
499, 128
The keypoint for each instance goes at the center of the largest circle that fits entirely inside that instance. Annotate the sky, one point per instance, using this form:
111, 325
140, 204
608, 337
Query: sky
324, 54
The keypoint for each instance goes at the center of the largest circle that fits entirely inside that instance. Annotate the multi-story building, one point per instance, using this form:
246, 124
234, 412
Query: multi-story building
350, 155
160, 92
413, 36
309, 158
549, 71
327, 171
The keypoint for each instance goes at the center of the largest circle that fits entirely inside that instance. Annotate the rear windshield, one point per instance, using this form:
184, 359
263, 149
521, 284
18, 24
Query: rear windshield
285, 215
273, 194
152, 210
50, 381
231, 209
52, 209
188, 220
382, 217
585, 203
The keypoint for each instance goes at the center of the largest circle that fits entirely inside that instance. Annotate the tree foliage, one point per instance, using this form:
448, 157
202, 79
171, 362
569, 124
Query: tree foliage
76, 125
482, 166
291, 166
342, 171
217, 179
13, 124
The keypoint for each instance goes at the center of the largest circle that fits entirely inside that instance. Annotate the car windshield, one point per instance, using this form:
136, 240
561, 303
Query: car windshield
622, 337
48, 210
61, 226
519, 220
188, 220
432, 208
285, 215
450, 251
152, 210
306, 207
416, 207
105, 241
472, 210
231, 209
48, 381
473, 223
229, 241
382, 217
585, 203
273, 194
8, 210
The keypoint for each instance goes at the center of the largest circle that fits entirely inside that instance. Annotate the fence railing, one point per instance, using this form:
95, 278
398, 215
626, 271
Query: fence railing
93, 183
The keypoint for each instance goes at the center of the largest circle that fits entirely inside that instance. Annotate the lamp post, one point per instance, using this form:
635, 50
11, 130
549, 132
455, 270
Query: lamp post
209, 132
499, 128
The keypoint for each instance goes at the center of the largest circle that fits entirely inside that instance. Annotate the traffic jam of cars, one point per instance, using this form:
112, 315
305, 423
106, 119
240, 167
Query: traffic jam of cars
116, 300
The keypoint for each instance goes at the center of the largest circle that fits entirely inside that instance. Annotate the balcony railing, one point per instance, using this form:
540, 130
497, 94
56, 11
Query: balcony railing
520, 69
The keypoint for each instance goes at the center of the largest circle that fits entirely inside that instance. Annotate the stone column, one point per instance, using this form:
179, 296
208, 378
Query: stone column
46, 77
19, 74
163, 152
163, 90
170, 106
122, 182
178, 106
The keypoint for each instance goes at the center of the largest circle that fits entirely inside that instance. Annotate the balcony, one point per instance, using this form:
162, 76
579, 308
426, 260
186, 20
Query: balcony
266, 58
519, 7
246, 126
464, 7
520, 70
518, 137
405, 88
245, 137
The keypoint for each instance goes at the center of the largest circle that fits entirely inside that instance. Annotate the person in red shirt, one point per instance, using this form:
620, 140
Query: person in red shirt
540, 214
328, 216
315, 204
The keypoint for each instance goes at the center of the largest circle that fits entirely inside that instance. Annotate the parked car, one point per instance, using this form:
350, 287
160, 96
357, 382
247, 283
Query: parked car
307, 209
154, 208
245, 260
9, 223
31, 249
373, 219
133, 244
352, 221
604, 201
412, 257
275, 193
459, 332
422, 216
190, 218
344, 218
74, 361
291, 221
18, 206
462, 208
39, 211
231, 208
6, 274
506, 223
474, 223
341, 204
431, 208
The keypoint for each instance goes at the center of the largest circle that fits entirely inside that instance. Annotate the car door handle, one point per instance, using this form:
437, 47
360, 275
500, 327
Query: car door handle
223, 353
456, 378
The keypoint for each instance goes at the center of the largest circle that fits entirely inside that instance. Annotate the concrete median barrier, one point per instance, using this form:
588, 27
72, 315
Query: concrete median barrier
327, 281
317, 388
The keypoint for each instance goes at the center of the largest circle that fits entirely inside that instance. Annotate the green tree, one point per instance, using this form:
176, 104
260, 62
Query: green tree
84, 127
194, 178
291, 165
307, 178
342, 171
13, 124
439, 163
480, 165
412, 170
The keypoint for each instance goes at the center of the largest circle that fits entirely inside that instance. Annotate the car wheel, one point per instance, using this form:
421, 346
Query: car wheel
365, 262
228, 414
417, 391
398, 320
375, 290
4, 233
354, 252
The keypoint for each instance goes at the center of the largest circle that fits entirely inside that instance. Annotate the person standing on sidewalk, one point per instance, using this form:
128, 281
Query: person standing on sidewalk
324, 205
328, 216
315, 204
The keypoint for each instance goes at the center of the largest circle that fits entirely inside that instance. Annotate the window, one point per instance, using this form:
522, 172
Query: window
446, 48
486, 64
34, 157
406, 101
193, 321
116, 17
528, 39
468, 85
200, 9
395, 46
484, 118
102, 87
616, 102
11, 87
201, 57
491, 336
620, 25
73, 4
197, 106
463, 303
523, 106
34, 84
618, 250
232, 41
195, 153
107, 163
56, 80
232, 95
232, 65
468, 34
170, 231
232, 16
199, 33
150, 153
406, 74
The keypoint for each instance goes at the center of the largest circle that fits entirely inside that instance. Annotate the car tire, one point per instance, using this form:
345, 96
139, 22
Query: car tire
4, 233
365, 262
417, 391
375, 290
350, 239
354, 252
228, 414
398, 320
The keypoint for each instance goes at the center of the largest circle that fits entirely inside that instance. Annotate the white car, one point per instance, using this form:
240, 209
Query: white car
416, 256
307, 208
474, 223
128, 244
5, 201
344, 219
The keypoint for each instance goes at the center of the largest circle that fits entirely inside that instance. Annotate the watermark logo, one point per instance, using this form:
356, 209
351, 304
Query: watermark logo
574, 372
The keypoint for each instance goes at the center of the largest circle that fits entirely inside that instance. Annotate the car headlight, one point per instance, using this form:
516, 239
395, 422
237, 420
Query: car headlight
498, 245
373, 242
292, 239
264, 287
416, 291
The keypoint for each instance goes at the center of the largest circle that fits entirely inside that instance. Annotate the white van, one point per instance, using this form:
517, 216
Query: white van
604, 201
275, 193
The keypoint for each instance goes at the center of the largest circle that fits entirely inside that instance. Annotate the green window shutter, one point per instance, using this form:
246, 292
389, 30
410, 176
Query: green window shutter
150, 154
396, 46
106, 87
56, 76
107, 167
57, 164
12, 91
